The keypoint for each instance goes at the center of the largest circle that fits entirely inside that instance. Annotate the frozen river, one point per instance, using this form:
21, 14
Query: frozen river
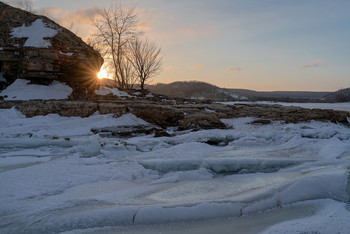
57, 176
342, 106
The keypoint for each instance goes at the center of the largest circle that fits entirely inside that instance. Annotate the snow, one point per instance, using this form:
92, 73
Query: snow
233, 95
209, 110
2, 79
103, 90
332, 217
37, 34
22, 90
58, 176
68, 53
342, 106
137, 93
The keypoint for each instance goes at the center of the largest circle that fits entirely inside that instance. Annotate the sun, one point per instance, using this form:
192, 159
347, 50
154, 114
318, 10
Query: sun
102, 74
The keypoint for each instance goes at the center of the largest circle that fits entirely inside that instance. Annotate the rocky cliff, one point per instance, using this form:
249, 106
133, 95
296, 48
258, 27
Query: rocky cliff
34, 47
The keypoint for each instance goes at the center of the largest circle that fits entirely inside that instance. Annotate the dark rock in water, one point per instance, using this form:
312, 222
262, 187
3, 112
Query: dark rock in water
161, 115
201, 121
124, 131
35, 48
261, 121
161, 133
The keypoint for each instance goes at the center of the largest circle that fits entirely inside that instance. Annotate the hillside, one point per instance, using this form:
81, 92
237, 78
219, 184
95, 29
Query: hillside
194, 90
342, 95
202, 90
280, 94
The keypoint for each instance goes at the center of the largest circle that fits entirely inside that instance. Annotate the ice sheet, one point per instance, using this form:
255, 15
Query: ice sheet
58, 176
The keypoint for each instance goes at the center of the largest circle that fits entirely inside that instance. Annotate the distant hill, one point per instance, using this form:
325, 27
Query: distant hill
202, 90
194, 90
342, 95
307, 95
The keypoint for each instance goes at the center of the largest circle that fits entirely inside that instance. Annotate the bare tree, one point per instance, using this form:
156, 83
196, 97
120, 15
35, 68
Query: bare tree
145, 59
26, 5
116, 27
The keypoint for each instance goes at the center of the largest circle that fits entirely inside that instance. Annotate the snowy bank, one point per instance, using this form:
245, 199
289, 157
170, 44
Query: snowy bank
22, 90
103, 90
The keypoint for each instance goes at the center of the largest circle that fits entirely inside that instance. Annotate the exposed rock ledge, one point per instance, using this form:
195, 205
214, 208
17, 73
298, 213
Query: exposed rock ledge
185, 116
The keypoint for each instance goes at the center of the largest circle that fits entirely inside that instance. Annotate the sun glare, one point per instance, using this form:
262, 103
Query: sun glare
102, 74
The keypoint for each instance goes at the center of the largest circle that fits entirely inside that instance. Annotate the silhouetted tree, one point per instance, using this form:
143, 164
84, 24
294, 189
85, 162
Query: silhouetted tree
145, 59
116, 27
118, 38
26, 5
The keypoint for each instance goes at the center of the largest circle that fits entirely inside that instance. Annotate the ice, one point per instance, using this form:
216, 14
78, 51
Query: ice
57, 175
21, 90
342, 106
137, 93
51, 125
10, 163
156, 214
37, 34
331, 217
243, 225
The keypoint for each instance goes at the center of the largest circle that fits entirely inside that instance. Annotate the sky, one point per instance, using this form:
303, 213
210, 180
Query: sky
290, 45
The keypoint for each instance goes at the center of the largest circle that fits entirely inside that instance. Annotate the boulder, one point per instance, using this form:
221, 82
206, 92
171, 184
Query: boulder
35, 48
200, 120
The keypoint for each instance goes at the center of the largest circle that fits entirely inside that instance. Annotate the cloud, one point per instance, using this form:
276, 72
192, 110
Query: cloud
199, 31
197, 67
189, 31
315, 63
233, 69
148, 17
81, 16
169, 68
78, 21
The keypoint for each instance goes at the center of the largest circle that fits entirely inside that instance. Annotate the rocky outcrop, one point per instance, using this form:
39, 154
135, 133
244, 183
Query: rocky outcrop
63, 108
183, 116
162, 115
34, 47
288, 114
201, 120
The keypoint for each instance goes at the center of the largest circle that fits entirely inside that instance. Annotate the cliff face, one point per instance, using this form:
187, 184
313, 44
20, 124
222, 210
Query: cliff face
34, 47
